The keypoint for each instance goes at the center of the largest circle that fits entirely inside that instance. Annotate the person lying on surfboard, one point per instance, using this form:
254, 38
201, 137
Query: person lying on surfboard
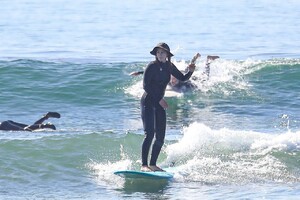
10, 125
183, 86
180, 86
153, 105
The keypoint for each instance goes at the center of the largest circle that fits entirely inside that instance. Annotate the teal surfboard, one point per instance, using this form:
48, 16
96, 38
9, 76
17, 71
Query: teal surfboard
144, 175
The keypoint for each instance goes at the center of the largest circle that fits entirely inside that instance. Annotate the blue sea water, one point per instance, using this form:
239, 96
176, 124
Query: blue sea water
235, 137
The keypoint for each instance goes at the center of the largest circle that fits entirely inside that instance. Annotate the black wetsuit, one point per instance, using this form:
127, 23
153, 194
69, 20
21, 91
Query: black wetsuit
12, 126
156, 78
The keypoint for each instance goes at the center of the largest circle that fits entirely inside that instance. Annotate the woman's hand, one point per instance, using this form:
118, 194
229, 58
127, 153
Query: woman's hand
192, 67
163, 104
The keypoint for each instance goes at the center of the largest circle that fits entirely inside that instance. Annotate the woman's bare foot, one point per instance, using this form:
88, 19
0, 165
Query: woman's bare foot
155, 168
146, 169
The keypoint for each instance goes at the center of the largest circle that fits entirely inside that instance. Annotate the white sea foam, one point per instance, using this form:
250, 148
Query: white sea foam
222, 71
227, 156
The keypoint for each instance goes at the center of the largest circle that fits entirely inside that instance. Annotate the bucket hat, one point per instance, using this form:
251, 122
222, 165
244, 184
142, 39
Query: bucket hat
163, 46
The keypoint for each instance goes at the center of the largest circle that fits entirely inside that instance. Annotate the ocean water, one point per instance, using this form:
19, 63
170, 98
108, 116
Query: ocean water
236, 137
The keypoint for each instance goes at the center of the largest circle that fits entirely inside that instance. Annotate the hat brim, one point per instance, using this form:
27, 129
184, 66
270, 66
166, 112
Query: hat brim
153, 52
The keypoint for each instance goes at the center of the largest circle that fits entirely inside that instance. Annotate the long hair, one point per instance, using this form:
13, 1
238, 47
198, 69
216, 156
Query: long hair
169, 60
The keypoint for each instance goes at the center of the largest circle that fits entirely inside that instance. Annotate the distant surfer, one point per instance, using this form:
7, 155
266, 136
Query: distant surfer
183, 86
153, 105
10, 125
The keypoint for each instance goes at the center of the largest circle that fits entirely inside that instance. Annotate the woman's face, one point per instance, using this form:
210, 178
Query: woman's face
161, 55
